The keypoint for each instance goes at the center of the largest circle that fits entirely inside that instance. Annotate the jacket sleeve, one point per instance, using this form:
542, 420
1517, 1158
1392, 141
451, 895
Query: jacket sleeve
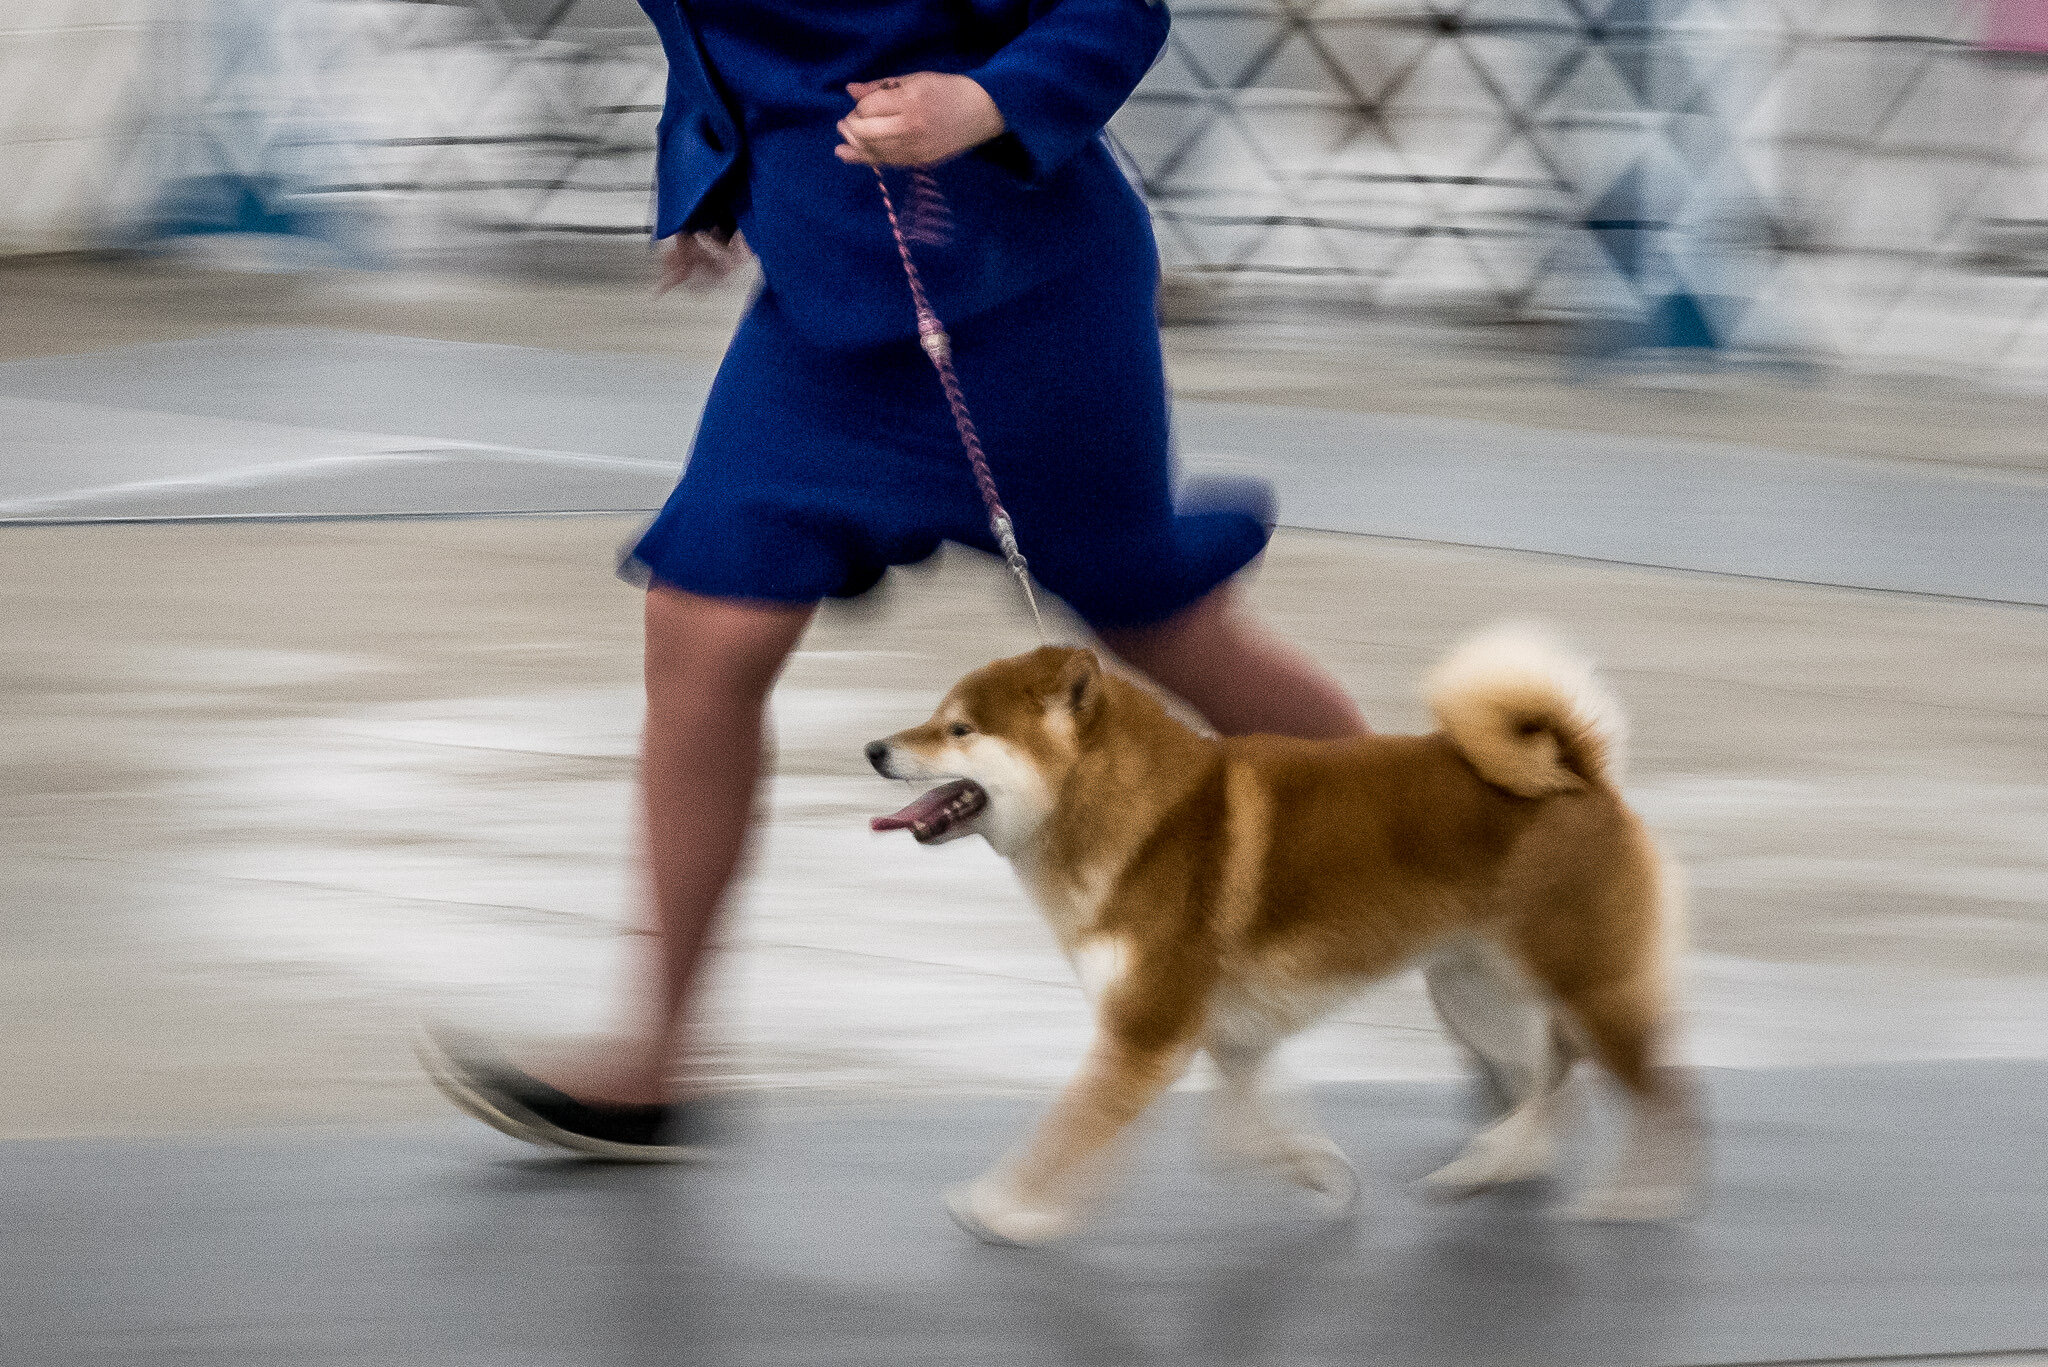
1058, 82
697, 142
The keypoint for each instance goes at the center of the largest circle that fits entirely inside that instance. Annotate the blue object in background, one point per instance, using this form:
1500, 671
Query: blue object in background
247, 136
1635, 220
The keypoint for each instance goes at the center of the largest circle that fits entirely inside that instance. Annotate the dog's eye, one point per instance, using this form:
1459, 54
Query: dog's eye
959, 728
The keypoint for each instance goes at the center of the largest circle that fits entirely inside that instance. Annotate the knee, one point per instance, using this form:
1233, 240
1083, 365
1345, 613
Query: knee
1206, 629
714, 648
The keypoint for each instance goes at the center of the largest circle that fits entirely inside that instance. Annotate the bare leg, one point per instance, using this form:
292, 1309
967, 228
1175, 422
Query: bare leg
1241, 678
710, 666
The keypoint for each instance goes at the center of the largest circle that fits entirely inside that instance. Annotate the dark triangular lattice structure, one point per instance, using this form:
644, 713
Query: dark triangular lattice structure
1717, 168
1859, 179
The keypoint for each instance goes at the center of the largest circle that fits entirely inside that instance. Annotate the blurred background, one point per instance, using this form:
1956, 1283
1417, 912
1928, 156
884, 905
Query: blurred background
1713, 332
1843, 180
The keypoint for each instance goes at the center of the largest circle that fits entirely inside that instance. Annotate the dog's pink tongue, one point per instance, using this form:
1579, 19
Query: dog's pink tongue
936, 811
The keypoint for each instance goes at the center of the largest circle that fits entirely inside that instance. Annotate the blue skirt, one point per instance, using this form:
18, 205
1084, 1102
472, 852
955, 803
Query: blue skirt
815, 469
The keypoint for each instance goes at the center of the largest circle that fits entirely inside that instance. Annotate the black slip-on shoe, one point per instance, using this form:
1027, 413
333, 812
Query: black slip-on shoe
484, 1085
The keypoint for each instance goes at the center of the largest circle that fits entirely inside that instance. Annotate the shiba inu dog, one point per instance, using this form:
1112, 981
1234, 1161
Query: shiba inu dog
1219, 895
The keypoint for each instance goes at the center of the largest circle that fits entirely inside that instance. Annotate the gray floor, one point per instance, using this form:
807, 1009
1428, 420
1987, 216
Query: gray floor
1858, 1213
320, 423
1869, 1212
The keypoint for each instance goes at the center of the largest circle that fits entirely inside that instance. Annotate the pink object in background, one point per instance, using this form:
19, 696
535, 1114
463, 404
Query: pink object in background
2017, 26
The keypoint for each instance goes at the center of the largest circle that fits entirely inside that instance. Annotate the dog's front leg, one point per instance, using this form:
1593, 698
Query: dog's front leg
1036, 1194
1260, 1123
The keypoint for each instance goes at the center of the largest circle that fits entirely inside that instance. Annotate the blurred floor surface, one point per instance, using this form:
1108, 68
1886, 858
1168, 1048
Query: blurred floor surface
271, 789
1859, 1213
322, 423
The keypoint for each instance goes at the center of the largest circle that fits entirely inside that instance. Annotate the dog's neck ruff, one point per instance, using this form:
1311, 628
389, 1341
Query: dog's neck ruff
1110, 802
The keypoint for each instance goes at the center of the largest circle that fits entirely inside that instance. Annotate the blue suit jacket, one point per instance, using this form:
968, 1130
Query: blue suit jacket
746, 137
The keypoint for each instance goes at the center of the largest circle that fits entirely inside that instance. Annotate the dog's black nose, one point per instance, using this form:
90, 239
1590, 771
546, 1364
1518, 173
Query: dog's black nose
878, 753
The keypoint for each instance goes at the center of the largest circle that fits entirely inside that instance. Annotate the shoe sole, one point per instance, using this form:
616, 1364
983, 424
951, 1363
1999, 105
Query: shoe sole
510, 1118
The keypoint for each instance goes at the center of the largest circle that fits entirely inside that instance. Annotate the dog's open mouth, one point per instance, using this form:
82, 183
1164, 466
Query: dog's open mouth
937, 811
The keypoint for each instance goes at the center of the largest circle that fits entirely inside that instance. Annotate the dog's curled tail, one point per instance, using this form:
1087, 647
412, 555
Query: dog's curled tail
1527, 714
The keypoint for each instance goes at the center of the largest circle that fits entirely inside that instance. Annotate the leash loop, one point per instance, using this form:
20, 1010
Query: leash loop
931, 335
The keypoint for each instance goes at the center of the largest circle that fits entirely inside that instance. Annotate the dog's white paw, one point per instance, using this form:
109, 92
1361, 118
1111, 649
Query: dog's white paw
994, 1215
1516, 1149
1470, 1173
1633, 1205
1315, 1163
1307, 1159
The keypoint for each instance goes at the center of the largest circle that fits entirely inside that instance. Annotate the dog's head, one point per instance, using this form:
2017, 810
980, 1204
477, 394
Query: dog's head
1000, 747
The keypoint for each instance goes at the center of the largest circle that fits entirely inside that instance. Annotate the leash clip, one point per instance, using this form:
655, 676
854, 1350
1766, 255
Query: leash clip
932, 336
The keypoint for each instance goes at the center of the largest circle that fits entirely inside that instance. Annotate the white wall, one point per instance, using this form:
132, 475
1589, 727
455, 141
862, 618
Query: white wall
72, 74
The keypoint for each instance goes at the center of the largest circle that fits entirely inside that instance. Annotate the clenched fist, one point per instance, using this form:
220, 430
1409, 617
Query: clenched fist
917, 120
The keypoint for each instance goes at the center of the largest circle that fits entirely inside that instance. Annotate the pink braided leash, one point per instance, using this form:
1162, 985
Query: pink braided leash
931, 334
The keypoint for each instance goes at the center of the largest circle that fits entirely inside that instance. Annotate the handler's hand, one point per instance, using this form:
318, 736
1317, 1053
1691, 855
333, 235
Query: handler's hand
917, 120
699, 259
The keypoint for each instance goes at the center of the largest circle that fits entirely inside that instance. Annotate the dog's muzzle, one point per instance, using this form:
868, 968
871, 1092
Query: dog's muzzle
934, 813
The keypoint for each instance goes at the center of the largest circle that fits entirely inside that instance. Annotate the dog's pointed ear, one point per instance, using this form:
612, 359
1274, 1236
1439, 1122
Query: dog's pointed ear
1080, 685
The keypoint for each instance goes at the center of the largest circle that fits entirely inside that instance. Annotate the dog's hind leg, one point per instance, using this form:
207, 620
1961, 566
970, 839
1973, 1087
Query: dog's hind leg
1490, 1007
1259, 1123
1659, 1171
1613, 996
1522, 1145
